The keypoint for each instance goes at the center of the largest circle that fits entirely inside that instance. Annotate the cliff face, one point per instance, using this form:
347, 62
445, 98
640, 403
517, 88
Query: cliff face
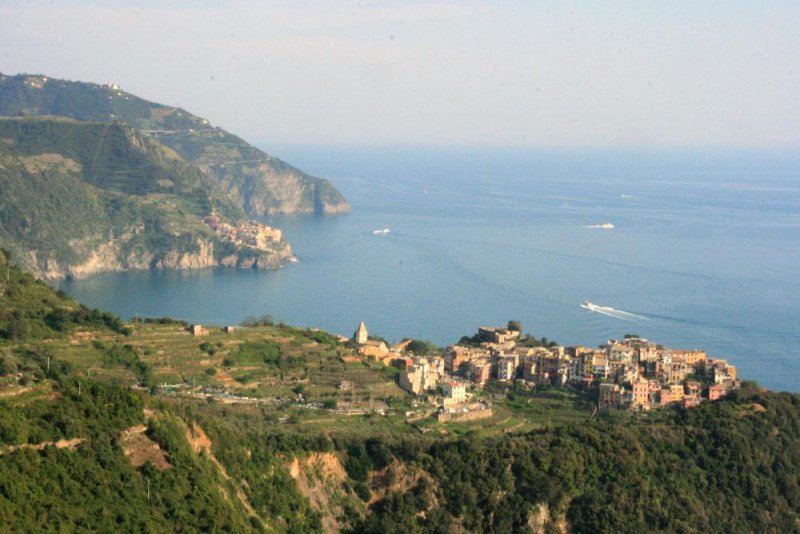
94, 179
254, 181
109, 257
80, 198
269, 189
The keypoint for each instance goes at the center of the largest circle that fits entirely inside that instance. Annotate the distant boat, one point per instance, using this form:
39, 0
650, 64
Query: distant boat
381, 232
604, 226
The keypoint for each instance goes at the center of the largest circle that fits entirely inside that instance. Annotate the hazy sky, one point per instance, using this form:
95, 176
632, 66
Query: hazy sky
638, 73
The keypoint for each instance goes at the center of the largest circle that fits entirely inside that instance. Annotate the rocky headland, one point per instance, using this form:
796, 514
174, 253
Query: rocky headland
94, 179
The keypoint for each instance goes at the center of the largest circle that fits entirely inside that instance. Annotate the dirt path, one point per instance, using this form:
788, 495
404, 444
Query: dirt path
60, 444
226, 379
15, 392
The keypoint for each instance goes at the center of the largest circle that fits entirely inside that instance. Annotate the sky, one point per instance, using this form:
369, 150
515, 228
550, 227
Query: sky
526, 73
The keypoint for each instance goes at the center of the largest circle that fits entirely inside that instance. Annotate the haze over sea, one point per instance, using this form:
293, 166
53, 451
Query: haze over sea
705, 252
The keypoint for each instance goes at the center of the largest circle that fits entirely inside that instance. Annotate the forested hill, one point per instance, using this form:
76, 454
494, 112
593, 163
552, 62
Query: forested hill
110, 156
256, 182
32, 310
78, 198
731, 466
89, 442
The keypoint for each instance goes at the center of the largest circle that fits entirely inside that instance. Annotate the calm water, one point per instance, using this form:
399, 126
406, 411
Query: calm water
704, 254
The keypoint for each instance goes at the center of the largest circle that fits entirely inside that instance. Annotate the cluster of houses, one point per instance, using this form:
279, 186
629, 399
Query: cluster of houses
639, 374
631, 373
253, 234
418, 374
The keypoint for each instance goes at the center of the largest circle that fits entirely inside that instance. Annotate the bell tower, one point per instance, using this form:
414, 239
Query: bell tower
360, 336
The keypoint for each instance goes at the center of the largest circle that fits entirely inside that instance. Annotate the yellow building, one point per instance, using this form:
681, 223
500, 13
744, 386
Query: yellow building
373, 349
453, 392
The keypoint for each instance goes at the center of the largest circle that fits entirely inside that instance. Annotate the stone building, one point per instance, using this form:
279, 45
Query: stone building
453, 392
361, 336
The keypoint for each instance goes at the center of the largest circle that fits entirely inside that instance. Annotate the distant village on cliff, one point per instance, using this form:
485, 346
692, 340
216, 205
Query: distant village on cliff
631, 374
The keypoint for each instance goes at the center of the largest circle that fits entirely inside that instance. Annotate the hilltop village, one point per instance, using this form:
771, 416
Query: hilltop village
632, 373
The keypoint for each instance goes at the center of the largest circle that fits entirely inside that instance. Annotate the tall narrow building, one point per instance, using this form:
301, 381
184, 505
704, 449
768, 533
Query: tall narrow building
360, 336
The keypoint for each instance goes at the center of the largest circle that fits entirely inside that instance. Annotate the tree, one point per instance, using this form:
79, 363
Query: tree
422, 347
515, 326
7, 366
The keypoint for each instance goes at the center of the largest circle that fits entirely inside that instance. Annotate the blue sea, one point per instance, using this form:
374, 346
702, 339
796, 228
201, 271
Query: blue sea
704, 253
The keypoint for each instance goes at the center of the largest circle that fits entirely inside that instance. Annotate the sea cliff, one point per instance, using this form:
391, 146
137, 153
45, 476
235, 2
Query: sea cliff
110, 257
81, 198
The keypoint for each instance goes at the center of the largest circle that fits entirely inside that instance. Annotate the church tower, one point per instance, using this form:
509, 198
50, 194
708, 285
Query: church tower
360, 335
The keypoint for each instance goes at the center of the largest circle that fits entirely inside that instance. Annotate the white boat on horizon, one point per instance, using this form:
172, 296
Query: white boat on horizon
603, 226
381, 232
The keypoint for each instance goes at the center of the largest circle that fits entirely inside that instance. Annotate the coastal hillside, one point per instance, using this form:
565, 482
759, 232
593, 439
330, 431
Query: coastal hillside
152, 426
78, 198
254, 181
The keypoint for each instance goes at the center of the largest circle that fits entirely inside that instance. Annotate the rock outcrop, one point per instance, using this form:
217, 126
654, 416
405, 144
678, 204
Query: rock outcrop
108, 258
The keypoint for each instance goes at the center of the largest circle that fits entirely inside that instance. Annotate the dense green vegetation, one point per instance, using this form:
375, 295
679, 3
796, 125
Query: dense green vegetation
95, 179
68, 461
63, 461
94, 487
249, 178
110, 156
81, 412
252, 455
423, 347
71, 188
31, 310
731, 466
728, 466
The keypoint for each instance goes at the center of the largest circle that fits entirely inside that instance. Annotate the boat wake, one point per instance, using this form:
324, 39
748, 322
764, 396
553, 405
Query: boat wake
613, 312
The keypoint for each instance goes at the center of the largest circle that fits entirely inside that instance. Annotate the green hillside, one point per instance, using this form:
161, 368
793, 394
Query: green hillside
90, 442
110, 156
254, 181
31, 310
85, 197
